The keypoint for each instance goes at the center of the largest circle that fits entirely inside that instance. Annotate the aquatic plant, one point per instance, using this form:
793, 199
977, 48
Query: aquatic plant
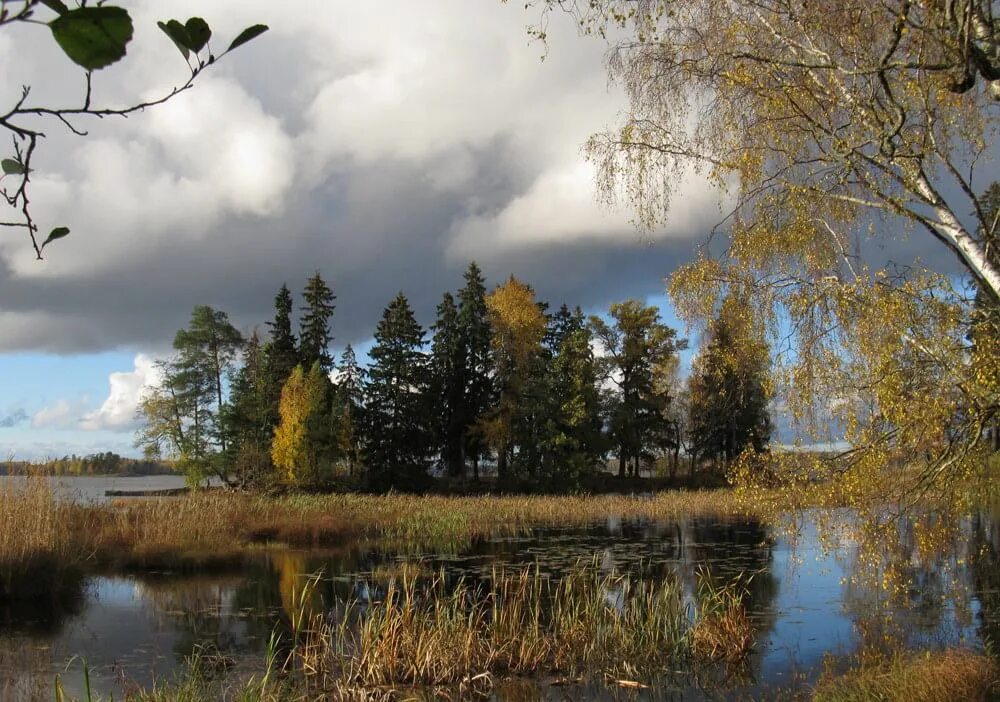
432, 632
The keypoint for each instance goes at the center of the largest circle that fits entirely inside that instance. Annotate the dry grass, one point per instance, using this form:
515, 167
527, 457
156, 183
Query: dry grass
39, 533
722, 630
432, 633
40, 551
954, 674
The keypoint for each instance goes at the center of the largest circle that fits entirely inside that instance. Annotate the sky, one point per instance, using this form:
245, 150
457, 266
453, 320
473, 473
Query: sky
384, 145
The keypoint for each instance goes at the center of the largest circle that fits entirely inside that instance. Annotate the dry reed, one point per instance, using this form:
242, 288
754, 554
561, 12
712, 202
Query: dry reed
436, 633
40, 548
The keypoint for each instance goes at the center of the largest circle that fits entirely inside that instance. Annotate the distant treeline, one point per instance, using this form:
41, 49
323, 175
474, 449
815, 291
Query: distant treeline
504, 386
107, 463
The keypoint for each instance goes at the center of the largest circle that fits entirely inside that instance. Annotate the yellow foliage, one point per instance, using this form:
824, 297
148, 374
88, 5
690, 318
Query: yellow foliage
293, 449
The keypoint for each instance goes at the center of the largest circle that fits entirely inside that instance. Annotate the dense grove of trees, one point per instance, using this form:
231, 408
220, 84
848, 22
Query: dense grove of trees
498, 385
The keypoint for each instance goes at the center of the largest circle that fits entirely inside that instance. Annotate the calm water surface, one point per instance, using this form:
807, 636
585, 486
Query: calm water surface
804, 599
92, 488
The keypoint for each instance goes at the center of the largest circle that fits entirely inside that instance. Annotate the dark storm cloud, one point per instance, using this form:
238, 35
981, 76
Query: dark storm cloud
383, 231
384, 149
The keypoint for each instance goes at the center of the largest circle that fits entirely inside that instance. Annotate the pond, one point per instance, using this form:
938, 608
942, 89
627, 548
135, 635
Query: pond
806, 601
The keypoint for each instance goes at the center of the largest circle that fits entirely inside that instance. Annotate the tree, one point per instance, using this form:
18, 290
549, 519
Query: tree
398, 428
573, 423
207, 348
93, 37
634, 345
179, 413
729, 387
280, 354
349, 405
984, 333
247, 417
448, 387
824, 113
178, 419
518, 325
314, 333
476, 334
301, 449
832, 124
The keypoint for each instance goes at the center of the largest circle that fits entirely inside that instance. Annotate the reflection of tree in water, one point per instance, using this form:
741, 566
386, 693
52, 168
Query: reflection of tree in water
912, 590
202, 610
985, 567
44, 617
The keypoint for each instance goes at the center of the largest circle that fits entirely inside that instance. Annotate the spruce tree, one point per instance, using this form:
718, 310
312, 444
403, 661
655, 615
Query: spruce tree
398, 428
449, 380
281, 355
314, 328
474, 329
573, 424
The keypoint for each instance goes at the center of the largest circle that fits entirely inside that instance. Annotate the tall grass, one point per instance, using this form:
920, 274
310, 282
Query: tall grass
436, 633
954, 674
41, 535
42, 553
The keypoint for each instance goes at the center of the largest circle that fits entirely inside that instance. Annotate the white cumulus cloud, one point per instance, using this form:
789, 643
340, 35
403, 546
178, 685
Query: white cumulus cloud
117, 412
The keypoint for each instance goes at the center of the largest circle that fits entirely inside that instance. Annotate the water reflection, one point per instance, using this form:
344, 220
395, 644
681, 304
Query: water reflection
804, 602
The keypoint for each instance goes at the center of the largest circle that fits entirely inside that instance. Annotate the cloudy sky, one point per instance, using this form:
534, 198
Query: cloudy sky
383, 144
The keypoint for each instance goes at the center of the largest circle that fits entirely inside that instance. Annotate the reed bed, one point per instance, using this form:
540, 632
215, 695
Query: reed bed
432, 633
40, 547
40, 534
953, 674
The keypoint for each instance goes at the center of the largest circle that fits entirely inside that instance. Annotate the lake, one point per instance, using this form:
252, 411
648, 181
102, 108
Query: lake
93, 488
807, 600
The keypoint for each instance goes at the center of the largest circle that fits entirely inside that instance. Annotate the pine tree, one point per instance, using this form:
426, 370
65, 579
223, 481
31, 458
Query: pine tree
449, 380
208, 348
729, 387
398, 428
474, 328
314, 333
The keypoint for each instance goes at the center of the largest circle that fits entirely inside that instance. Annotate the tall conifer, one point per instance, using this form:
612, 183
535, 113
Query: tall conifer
398, 445
314, 331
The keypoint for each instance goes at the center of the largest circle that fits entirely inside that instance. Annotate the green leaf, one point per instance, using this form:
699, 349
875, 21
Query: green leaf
56, 6
178, 34
93, 37
57, 233
198, 32
12, 167
248, 34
